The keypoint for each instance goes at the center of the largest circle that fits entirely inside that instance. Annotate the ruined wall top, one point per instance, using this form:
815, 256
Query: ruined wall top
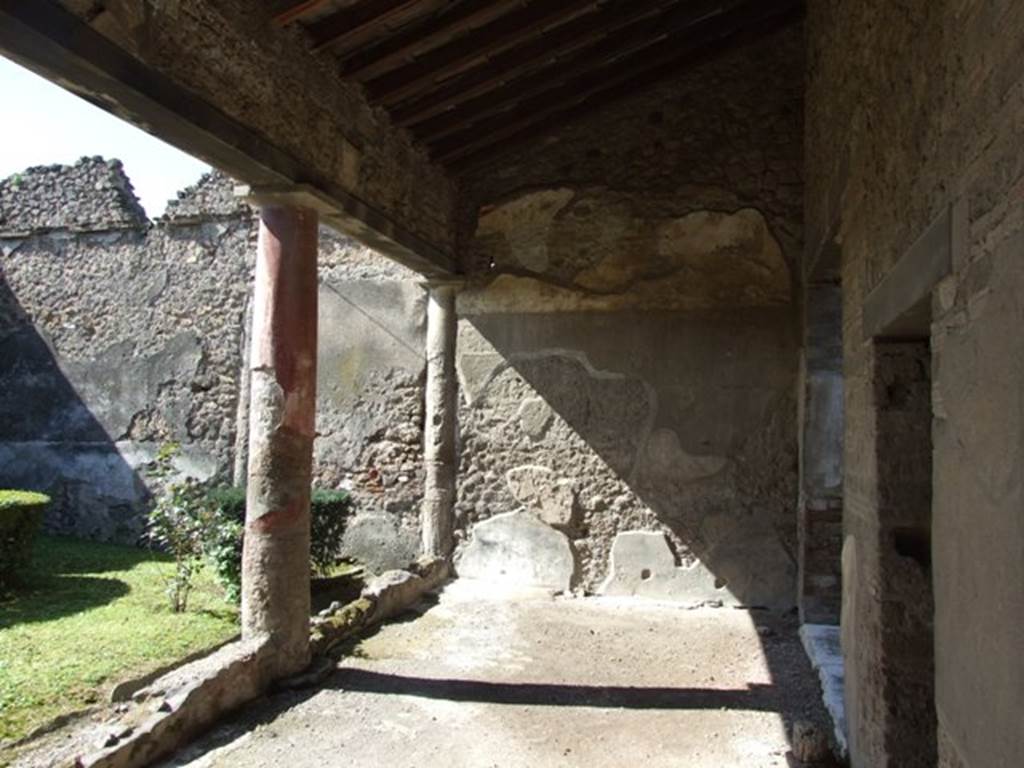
96, 195
210, 197
93, 194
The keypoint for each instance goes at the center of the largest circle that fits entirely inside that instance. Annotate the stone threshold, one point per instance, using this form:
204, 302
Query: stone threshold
822, 644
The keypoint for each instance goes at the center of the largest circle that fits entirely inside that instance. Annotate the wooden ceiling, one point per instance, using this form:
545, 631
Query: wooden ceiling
471, 77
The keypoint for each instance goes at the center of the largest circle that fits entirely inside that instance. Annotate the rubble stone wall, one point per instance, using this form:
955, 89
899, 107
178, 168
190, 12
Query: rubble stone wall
227, 55
914, 116
120, 335
628, 340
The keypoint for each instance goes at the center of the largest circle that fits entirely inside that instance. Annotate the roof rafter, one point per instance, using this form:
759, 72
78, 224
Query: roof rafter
497, 36
297, 10
641, 33
465, 75
499, 70
363, 22
616, 78
417, 40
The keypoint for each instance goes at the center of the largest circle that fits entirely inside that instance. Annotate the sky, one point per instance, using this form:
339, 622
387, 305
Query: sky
49, 125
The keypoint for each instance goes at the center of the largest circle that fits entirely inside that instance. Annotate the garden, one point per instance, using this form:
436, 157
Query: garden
79, 617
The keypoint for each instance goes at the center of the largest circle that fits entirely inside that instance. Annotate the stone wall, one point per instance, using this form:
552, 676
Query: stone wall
121, 336
227, 56
124, 335
628, 340
820, 514
370, 378
243, 85
914, 117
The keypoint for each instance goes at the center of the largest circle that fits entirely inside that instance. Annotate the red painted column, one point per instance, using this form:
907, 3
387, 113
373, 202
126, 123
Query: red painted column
275, 562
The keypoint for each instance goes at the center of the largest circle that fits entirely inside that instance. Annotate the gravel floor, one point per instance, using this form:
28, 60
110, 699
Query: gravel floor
479, 680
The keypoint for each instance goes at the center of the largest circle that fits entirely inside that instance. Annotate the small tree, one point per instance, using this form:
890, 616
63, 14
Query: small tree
179, 524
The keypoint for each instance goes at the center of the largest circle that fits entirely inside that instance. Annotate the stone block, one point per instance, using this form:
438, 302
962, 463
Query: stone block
535, 416
822, 644
516, 549
642, 565
543, 493
396, 591
379, 542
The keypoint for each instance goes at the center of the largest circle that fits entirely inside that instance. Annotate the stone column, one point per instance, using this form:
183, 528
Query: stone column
441, 420
240, 471
275, 563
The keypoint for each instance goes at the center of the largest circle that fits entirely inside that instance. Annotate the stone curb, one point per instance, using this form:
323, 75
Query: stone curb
126, 689
184, 702
384, 597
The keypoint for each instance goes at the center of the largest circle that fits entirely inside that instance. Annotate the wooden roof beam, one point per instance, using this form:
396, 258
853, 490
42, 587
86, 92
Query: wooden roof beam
499, 35
484, 155
625, 41
498, 71
401, 48
60, 46
362, 23
615, 79
296, 11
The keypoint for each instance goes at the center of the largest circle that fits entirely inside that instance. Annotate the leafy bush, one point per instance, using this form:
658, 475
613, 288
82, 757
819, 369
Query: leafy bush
224, 541
21, 517
179, 524
329, 512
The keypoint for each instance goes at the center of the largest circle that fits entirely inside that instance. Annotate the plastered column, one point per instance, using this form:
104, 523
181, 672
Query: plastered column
275, 562
441, 422
240, 470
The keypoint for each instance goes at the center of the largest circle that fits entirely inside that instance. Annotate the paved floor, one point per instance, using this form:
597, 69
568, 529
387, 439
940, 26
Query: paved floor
482, 680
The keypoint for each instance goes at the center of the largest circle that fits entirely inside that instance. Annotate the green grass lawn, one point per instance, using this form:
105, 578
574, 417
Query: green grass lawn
90, 616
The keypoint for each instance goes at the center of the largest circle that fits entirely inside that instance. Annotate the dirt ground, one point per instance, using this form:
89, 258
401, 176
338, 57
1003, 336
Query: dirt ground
480, 680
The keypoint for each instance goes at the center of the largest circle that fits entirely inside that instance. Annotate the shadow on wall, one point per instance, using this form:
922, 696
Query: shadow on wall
680, 422
50, 441
636, 361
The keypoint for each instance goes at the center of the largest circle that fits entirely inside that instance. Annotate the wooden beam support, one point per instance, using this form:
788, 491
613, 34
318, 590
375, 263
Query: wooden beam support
363, 23
620, 78
59, 46
345, 220
500, 70
630, 39
296, 11
500, 35
420, 38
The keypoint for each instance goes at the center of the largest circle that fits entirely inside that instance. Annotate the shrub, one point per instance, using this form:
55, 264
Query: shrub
178, 524
21, 517
329, 511
224, 541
